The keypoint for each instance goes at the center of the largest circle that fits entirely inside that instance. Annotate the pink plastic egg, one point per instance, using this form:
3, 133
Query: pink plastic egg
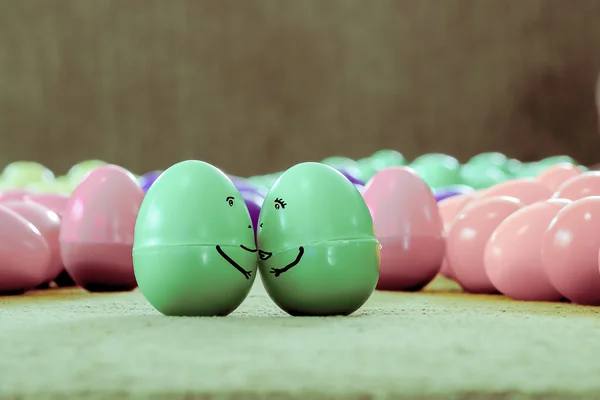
557, 174
468, 237
14, 194
48, 223
409, 227
24, 254
580, 186
513, 255
97, 230
526, 190
449, 208
55, 202
570, 251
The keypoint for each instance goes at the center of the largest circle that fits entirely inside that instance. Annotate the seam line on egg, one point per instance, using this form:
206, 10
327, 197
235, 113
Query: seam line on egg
354, 240
163, 246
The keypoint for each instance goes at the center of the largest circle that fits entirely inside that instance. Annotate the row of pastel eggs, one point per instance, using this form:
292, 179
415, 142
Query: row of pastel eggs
439, 171
120, 178
103, 212
99, 224
443, 173
417, 233
35, 177
88, 234
534, 240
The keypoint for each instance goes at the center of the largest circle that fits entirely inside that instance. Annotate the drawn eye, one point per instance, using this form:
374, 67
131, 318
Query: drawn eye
279, 203
229, 201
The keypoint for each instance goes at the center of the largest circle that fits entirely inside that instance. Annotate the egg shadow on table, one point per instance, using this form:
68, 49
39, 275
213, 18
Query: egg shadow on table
100, 288
64, 280
12, 293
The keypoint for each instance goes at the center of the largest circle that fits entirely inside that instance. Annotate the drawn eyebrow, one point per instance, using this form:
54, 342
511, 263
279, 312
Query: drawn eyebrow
229, 198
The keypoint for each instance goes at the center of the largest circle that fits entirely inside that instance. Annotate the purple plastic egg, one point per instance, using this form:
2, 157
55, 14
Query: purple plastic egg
450, 191
254, 202
351, 177
148, 179
241, 183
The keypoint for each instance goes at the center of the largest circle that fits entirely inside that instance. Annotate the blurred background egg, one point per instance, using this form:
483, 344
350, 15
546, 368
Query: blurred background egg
48, 224
556, 175
526, 190
513, 255
449, 208
254, 203
97, 229
570, 251
55, 202
579, 186
24, 254
408, 225
22, 173
14, 194
468, 236
148, 179
78, 171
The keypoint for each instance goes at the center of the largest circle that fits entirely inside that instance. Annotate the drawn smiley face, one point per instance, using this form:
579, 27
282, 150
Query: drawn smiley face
318, 254
309, 203
194, 250
279, 205
231, 202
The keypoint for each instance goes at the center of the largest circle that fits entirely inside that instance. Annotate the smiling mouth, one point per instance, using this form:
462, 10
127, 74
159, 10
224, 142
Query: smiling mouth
248, 249
264, 255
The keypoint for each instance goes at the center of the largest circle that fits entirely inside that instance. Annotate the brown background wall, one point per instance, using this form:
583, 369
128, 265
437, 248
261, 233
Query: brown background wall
254, 86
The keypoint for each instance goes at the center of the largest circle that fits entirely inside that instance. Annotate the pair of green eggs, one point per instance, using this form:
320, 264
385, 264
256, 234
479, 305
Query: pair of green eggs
195, 254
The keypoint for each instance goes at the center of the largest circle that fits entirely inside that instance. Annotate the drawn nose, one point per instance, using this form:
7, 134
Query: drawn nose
261, 224
264, 255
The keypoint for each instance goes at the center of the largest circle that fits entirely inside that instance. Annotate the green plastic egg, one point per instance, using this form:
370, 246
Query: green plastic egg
339, 162
387, 158
78, 171
23, 173
259, 182
365, 169
437, 170
482, 176
513, 166
193, 251
318, 251
553, 160
495, 159
270, 179
530, 169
